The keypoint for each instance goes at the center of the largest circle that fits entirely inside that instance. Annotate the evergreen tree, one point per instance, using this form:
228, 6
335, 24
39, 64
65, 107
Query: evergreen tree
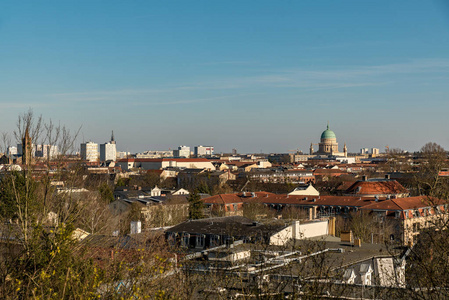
196, 206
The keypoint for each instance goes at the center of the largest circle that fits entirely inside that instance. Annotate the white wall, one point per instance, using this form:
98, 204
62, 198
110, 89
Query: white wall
299, 231
282, 236
312, 229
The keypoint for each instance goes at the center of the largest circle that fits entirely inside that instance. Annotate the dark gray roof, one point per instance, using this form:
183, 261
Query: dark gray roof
232, 226
120, 242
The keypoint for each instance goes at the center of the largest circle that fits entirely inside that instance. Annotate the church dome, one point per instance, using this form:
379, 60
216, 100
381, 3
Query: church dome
328, 134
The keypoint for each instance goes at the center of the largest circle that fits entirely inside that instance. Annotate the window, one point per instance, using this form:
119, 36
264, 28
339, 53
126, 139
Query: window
185, 240
200, 241
214, 240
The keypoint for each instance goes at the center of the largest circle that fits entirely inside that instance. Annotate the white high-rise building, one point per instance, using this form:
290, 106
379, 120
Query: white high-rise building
364, 151
203, 151
45, 151
375, 151
11, 151
183, 151
108, 152
89, 151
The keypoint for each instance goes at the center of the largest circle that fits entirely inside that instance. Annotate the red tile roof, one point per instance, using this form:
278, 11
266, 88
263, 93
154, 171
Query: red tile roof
223, 199
406, 203
376, 188
313, 200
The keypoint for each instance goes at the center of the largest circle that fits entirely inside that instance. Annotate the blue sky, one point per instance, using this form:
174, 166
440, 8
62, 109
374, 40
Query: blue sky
252, 75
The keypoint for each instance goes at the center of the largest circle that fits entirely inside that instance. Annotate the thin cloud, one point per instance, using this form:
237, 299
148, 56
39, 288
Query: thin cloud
216, 63
189, 101
345, 77
110, 93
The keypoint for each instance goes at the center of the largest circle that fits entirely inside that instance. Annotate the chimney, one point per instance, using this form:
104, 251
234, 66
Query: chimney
136, 227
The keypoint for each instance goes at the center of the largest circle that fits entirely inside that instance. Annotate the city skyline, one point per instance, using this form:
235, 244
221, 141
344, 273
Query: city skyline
255, 76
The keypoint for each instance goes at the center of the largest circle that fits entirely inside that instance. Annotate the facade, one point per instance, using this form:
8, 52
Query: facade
182, 151
154, 154
379, 270
123, 154
162, 163
46, 151
224, 205
282, 176
203, 151
40, 151
213, 232
410, 215
108, 152
89, 151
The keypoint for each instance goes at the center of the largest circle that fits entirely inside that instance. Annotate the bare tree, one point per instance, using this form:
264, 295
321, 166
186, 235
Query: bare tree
428, 180
28, 122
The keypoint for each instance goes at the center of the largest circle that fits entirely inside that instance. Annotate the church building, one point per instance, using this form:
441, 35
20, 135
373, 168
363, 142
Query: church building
328, 145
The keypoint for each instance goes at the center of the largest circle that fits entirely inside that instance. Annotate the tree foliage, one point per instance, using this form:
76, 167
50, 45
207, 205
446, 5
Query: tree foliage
17, 196
106, 192
196, 206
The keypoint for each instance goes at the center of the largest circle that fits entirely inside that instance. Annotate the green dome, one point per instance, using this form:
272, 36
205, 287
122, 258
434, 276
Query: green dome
328, 134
